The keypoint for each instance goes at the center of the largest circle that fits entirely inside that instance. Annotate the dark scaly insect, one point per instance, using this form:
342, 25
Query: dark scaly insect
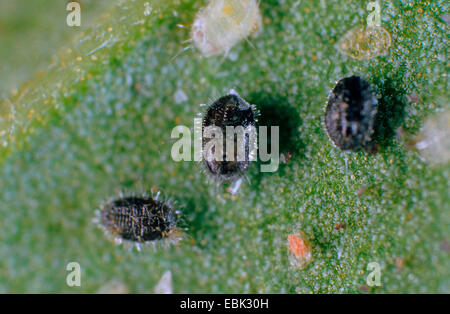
139, 219
229, 110
350, 114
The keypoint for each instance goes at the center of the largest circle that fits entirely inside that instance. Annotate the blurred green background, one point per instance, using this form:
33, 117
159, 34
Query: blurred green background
87, 112
31, 33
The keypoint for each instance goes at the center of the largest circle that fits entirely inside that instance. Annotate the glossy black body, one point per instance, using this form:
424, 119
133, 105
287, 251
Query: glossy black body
350, 114
229, 110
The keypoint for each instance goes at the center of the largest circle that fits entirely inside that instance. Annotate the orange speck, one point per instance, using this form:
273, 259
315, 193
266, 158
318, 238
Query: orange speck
399, 263
307, 10
314, 58
110, 29
339, 226
177, 120
297, 246
420, 10
30, 114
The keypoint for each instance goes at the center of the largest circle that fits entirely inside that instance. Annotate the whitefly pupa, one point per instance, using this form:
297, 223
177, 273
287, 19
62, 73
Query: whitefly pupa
235, 120
350, 114
365, 42
223, 23
140, 219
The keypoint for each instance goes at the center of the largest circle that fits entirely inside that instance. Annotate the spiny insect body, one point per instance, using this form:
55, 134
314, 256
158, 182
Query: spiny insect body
229, 111
142, 219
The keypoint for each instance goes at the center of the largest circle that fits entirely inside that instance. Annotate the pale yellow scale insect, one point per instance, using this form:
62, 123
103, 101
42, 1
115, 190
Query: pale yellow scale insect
365, 42
223, 23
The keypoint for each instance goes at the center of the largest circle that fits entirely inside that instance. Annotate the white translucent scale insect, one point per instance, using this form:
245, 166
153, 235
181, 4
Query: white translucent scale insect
364, 43
223, 23
434, 139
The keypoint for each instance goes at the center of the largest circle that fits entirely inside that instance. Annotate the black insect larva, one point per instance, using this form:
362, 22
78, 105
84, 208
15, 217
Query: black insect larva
139, 219
229, 111
350, 114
